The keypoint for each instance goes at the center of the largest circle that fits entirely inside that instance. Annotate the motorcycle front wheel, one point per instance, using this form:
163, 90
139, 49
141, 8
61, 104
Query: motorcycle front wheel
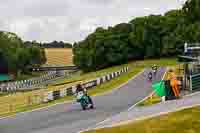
83, 107
91, 102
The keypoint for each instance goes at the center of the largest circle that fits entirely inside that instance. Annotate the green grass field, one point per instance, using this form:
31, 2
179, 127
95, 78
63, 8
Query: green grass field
185, 121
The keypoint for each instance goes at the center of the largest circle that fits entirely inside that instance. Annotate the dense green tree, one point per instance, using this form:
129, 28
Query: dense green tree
191, 8
16, 56
143, 37
54, 44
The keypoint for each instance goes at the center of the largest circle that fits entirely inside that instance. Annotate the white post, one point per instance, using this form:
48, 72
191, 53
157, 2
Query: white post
163, 98
98, 81
185, 48
190, 82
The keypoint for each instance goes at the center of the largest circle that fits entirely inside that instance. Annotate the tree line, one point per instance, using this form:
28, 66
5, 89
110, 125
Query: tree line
54, 44
16, 56
150, 36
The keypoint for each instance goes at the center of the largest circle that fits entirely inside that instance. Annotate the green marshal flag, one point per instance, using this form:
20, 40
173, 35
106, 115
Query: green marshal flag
159, 88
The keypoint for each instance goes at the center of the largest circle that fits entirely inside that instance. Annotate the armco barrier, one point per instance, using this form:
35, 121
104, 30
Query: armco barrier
90, 84
48, 96
56, 94
20, 85
195, 82
104, 79
98, 81
63, 92
69, 91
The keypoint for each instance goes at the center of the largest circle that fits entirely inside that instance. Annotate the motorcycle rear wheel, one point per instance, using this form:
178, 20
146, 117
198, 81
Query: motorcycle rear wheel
91, 102
83, 107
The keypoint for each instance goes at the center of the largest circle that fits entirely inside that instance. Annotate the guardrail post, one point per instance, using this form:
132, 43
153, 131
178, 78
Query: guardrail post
98, 81
74, 89
190, 82
163, 98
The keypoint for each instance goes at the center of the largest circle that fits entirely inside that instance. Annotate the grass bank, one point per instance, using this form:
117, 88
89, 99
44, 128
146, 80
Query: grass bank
29, 75
185, 121
87, 76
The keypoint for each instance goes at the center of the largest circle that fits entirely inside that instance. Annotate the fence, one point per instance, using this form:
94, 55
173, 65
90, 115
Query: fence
26, 84
195, 82
20, 101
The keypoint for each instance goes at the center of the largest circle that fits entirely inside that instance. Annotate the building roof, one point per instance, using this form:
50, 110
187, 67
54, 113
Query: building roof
4, 77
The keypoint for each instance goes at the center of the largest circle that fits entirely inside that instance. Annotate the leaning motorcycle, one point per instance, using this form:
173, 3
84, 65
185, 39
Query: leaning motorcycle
150, 77
84, 100
154, 72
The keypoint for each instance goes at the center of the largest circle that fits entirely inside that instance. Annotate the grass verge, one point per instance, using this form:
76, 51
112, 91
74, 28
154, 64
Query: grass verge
29, 75
90, 75
184, 121
150, 101
115, 82
30, 107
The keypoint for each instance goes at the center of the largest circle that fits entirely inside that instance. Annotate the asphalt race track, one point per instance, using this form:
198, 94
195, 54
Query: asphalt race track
69, 118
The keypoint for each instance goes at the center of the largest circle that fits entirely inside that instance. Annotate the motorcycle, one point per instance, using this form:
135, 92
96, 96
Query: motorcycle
154, 71
84, 100
150, 77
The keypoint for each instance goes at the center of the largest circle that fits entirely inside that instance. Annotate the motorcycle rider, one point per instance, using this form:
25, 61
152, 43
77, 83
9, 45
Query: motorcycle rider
150, 75
154, 68
80, 88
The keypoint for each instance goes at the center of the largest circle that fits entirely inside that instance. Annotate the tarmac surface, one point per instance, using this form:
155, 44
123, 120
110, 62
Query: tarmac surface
142, 113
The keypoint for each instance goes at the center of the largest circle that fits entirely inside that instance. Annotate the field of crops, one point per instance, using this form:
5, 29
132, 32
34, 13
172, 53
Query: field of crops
59, 56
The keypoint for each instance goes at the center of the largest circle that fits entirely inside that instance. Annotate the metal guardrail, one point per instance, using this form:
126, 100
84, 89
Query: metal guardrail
34, 83
194, 82
54, 68
20, 85
69, 91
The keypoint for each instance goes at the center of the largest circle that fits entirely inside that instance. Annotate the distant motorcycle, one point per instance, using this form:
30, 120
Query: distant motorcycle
150, 76
154, 69
84, 100
154, 72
